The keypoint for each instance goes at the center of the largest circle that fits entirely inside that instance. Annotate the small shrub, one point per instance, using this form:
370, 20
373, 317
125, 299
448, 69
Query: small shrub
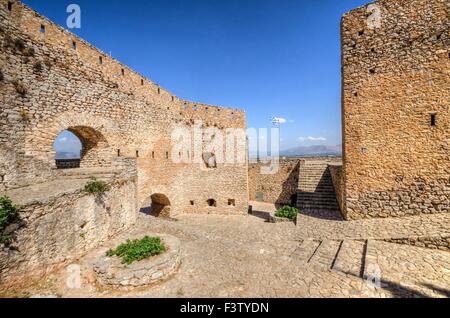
138, 250
37, 67
24, 115
20, 88
8, 42
96, 186
5, 239
29, 51
287, 212
48, 63
8, 214
19, 44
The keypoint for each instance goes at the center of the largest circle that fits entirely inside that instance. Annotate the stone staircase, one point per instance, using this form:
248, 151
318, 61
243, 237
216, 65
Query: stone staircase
347, 256
315, 188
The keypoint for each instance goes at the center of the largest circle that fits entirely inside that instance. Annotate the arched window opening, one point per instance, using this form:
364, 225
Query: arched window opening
68, 149
212, 203
81, 147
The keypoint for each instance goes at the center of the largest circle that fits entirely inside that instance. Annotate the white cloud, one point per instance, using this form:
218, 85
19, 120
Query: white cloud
63, 140
312, 138
279, 120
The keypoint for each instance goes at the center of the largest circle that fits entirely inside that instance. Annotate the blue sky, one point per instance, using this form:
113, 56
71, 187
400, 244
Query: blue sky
269, 57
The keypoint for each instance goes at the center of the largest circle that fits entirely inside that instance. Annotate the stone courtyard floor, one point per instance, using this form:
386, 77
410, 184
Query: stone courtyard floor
244, 256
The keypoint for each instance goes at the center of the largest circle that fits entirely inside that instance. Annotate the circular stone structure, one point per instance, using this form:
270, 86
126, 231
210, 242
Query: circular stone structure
276, 219
110, 271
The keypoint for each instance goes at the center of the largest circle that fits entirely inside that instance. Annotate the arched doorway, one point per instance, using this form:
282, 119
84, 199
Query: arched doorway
157, 205
81, 146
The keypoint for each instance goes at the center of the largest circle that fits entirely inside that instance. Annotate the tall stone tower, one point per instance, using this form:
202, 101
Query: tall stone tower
396, 108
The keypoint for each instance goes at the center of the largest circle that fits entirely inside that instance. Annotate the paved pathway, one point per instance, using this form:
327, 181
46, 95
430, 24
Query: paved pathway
244, 256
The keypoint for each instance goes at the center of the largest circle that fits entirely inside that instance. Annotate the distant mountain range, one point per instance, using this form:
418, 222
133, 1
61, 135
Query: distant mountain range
308, 151
67, 155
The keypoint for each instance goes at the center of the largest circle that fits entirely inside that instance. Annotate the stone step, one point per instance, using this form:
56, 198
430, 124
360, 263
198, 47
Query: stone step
331, 213
321, 204
321, 177
318, 172
316, 176
317, 192
329, 208
314, 187
315, 165
316, 202
316, 199
351, 258
325, 254
305, 251
315, 182
316, 195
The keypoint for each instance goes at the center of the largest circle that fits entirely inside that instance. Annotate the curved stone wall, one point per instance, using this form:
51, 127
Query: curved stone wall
53, 81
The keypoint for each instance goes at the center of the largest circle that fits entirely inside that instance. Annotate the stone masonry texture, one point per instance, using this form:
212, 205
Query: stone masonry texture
396, 115
279, 188
53, 81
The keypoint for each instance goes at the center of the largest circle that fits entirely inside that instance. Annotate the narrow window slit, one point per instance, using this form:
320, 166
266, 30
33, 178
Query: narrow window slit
433, 120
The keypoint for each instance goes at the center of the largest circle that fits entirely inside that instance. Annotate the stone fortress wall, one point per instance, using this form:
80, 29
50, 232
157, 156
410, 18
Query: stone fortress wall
278, 188
51, 80
60, 222
281, 188
396, 114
